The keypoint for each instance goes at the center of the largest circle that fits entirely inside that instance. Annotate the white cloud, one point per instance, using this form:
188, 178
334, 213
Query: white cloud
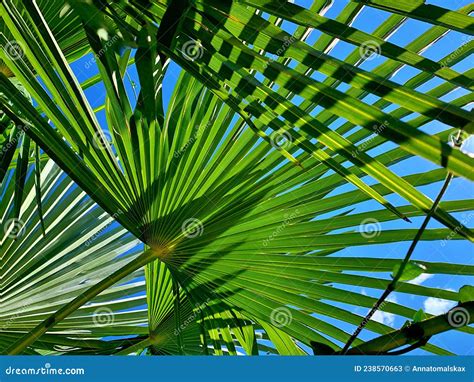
437, 306
384, 317
420, 279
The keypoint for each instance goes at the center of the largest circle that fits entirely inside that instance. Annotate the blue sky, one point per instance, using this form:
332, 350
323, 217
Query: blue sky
452, 251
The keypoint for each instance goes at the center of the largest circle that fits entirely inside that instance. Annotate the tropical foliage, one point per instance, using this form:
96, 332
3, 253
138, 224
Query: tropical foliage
222, 220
